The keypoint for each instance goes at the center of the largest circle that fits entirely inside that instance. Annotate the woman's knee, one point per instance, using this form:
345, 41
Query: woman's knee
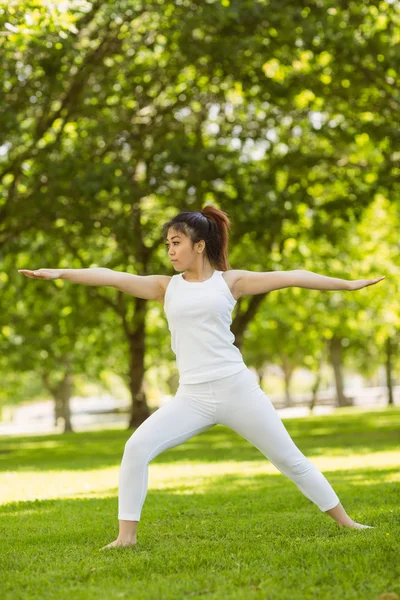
295, 466
301, 467
136, 449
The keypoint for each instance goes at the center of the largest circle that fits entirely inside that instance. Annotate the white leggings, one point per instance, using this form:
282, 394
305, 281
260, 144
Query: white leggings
236, 401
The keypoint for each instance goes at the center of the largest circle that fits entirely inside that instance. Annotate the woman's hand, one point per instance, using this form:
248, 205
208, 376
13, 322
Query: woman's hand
41, 273
360, 283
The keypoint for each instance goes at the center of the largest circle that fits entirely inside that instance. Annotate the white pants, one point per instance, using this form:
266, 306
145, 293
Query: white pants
236, 401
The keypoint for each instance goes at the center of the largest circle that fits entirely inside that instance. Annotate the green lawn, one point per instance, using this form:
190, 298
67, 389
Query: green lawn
219, 521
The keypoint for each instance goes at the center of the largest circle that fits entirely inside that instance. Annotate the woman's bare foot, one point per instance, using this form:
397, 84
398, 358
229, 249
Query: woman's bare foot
354, 525
343, 520
126, 535
120, 543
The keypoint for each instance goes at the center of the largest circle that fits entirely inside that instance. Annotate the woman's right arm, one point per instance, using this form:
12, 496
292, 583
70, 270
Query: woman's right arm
148, 287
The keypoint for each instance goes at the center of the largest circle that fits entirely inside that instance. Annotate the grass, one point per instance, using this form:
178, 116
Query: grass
219, 521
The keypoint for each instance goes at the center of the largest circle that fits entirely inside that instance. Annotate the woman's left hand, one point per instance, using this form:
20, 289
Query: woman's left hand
360, 283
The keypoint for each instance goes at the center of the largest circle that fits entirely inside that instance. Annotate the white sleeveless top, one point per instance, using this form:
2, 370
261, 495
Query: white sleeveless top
199, 319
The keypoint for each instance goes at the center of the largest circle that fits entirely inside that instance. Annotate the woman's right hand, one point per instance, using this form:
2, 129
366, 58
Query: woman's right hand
41, 273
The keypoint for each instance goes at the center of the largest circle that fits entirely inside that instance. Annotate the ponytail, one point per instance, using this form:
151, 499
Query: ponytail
219, 237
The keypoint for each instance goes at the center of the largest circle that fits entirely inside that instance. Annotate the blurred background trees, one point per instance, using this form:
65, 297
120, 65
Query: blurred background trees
117, 115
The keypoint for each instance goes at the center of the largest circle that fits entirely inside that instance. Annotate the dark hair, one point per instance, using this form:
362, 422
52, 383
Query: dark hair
211, 225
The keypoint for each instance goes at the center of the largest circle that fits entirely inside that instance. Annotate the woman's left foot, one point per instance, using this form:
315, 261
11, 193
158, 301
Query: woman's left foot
354, 525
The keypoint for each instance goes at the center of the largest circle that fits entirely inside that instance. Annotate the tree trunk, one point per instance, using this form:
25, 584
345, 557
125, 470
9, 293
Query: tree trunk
288, 397
62, 396
389, 382
61, 393
287, 369
66, 393
244, 315
335, 352
139, 410
315, 388
260, 373
58, 412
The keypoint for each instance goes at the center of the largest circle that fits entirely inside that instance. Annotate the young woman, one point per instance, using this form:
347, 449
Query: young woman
215, 385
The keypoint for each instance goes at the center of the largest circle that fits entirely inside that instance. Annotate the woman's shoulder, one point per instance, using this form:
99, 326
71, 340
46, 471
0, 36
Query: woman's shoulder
164, 281
231, 277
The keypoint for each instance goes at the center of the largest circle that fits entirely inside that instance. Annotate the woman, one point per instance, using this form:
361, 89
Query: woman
215, 385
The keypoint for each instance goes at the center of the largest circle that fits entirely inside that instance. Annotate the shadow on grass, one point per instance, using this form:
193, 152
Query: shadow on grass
253, 498
361, 433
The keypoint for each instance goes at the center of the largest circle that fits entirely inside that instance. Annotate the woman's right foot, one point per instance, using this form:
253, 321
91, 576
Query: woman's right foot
120, 543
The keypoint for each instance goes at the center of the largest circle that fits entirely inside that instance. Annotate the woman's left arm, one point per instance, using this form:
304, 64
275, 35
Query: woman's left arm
314, 281
253, 282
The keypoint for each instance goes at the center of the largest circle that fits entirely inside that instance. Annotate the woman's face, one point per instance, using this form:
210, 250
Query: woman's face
180, 251
177, 246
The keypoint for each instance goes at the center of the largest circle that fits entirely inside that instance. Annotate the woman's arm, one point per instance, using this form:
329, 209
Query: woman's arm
148, 287
93, 276
255, 282
314, 281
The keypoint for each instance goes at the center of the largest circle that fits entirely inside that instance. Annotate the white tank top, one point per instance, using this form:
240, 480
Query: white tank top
199, 315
